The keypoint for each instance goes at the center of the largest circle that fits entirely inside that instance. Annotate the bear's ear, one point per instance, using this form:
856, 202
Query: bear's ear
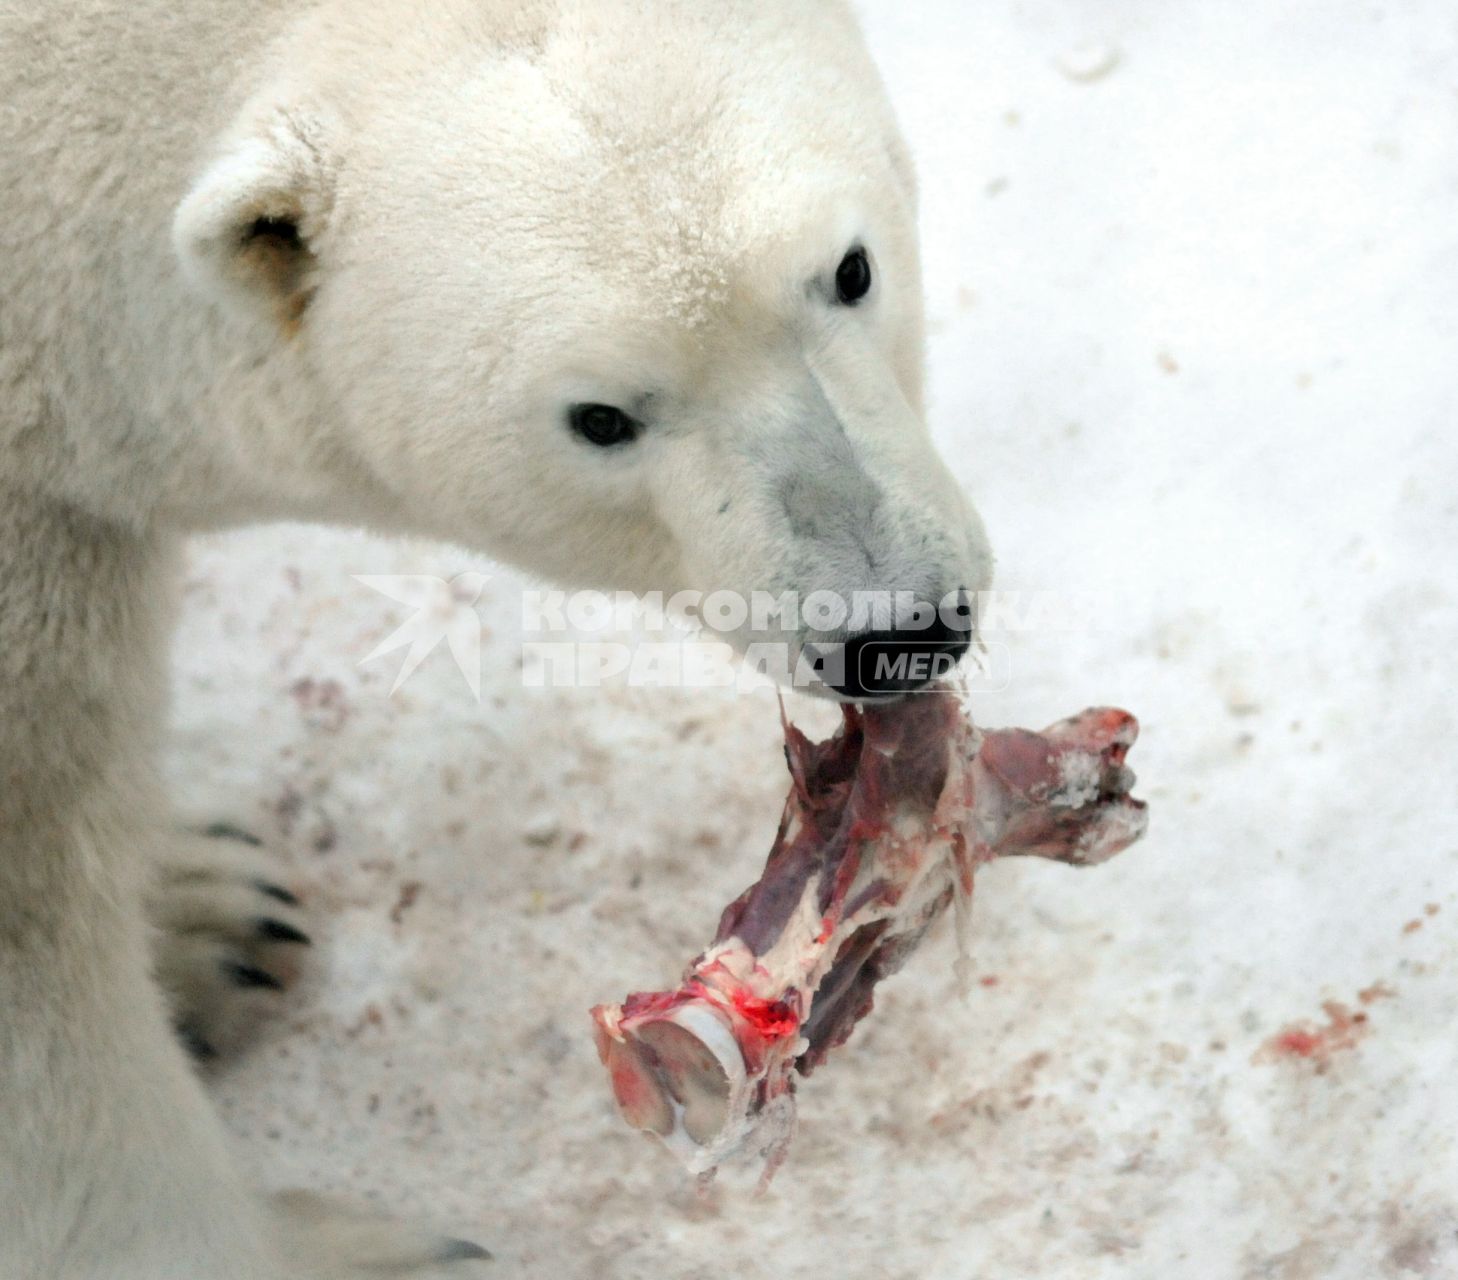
249, 229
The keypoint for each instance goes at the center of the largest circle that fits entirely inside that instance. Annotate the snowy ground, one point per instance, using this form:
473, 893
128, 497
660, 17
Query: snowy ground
1195, 321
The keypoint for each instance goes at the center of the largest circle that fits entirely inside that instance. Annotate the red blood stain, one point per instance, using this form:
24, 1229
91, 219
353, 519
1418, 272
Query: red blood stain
627, 1084
1313, 1042
1303, 1044
632, 1091
646, 1003
773, 1019
991, 980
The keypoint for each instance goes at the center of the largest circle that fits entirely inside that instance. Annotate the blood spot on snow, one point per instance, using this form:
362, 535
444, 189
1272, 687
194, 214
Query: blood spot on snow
324, 703
409, 892
370, 1017
1416, 1254
1299, 1043
1313, 1042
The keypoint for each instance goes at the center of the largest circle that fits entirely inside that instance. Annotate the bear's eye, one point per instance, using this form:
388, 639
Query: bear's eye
602, 425
853, 277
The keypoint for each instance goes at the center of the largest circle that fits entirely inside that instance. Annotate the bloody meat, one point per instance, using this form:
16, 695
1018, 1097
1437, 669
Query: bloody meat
883, 829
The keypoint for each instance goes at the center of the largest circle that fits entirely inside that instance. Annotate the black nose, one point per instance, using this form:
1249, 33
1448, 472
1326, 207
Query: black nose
892, 663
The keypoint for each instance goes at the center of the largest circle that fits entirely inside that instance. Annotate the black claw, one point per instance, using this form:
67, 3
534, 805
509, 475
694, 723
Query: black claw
278, 931
247, 975
226, 831
463, 1251
196, 1045
277, 892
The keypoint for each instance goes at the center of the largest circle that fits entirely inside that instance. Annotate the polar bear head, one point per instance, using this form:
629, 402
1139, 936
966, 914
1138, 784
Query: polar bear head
626, 292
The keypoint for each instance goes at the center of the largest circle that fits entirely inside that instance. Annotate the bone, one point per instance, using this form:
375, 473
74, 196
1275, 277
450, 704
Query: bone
884, 828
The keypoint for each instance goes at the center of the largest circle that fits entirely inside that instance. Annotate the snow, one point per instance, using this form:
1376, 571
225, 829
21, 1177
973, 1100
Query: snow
1194, 316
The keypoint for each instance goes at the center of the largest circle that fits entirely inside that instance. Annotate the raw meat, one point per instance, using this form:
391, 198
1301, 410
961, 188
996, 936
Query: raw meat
884, 826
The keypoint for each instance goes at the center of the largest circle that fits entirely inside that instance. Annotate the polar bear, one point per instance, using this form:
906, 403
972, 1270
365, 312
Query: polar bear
625, 292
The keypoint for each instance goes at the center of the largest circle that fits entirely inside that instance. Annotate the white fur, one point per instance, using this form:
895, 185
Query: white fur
506, 207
